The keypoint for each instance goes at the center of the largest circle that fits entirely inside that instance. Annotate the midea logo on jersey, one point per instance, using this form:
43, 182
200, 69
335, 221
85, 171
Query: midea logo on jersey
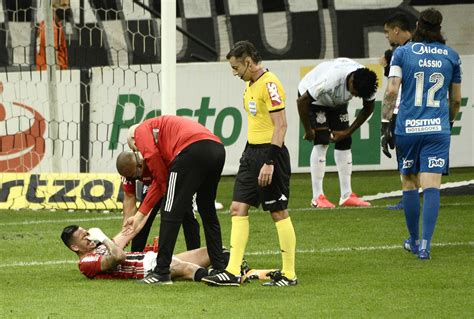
420, 48
435, 162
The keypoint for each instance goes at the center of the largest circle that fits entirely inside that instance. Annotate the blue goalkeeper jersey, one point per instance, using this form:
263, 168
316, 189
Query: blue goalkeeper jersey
427, 71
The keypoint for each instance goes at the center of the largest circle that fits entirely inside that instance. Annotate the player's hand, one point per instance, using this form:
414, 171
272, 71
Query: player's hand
96, 234
129, 225
309, 135
133, 224
386, 139
265, 176
336, 136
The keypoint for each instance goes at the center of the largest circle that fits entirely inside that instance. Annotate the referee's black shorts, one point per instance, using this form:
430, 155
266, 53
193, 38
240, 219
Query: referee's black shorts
273, 197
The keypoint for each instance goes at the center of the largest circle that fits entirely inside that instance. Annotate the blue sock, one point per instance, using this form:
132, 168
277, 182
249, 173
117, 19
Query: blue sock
431, 204
411, 206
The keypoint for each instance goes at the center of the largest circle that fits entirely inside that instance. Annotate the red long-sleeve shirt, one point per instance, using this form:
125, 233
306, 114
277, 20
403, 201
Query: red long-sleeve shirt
160, 140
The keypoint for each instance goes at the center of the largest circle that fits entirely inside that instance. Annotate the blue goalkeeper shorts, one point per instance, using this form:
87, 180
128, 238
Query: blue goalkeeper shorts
423, 153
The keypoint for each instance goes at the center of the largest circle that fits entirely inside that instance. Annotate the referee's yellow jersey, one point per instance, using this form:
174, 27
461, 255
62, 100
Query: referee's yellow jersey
264, 96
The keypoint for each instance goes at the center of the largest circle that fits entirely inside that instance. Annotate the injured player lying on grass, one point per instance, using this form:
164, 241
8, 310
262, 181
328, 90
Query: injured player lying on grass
103, 258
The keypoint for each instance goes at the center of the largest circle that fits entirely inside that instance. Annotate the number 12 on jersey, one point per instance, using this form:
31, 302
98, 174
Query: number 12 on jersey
437, 79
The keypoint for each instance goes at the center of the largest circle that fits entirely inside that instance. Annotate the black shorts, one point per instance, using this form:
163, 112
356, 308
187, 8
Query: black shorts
273, 197
335, 118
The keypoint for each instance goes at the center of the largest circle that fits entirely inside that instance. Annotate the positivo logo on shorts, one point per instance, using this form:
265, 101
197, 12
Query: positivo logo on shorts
21, 151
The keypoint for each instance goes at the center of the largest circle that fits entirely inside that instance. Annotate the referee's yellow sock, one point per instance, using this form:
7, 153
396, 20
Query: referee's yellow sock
287, 238
238, 241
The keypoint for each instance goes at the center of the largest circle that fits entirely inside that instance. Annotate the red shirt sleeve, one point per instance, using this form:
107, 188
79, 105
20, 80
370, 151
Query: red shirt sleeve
145, 141
128, 186
159, 171
89, 265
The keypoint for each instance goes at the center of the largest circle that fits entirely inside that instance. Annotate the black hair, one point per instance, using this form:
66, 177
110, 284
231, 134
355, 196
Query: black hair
429, 27
388, 57
67, 233
243, 49
400, 20
364, 82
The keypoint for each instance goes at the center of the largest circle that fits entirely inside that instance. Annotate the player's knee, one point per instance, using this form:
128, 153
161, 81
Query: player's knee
322, 138
234, 209
279, 215
344, 144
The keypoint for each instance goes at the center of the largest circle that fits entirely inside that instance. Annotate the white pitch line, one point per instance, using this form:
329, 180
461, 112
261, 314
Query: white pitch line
53, 221
260, 253
349, 249
303, 209
38, 263
399, 192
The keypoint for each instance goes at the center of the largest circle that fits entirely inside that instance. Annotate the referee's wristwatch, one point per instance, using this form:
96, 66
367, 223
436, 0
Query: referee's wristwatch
269, 162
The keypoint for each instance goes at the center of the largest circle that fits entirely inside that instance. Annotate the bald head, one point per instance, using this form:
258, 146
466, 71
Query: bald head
131, 137
127, 164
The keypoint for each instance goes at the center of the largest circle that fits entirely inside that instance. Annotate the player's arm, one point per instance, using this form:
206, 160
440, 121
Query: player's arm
280, 125
367, 110
126, 235
279, 131
159, 171
390, 97
454, 101
116, 254
303, 102
135, 223
129, 205
129, 198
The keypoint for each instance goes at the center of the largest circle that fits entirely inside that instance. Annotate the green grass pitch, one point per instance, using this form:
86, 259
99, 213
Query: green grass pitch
349, 263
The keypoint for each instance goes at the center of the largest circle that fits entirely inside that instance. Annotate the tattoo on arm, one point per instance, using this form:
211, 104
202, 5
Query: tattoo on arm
389, 101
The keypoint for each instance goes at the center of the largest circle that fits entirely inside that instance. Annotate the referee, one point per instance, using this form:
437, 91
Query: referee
264, 172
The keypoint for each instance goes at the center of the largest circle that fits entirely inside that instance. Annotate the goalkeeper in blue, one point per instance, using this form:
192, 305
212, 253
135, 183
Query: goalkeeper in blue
430, 73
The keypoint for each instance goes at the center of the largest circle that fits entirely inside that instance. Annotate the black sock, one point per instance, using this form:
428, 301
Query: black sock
226, 254
200, 273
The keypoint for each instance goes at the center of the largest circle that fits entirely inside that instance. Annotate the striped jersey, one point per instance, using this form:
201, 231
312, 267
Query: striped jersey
135, 266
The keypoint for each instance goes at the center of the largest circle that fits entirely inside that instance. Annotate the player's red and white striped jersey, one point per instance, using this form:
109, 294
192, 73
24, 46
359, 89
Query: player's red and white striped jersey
135, 266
